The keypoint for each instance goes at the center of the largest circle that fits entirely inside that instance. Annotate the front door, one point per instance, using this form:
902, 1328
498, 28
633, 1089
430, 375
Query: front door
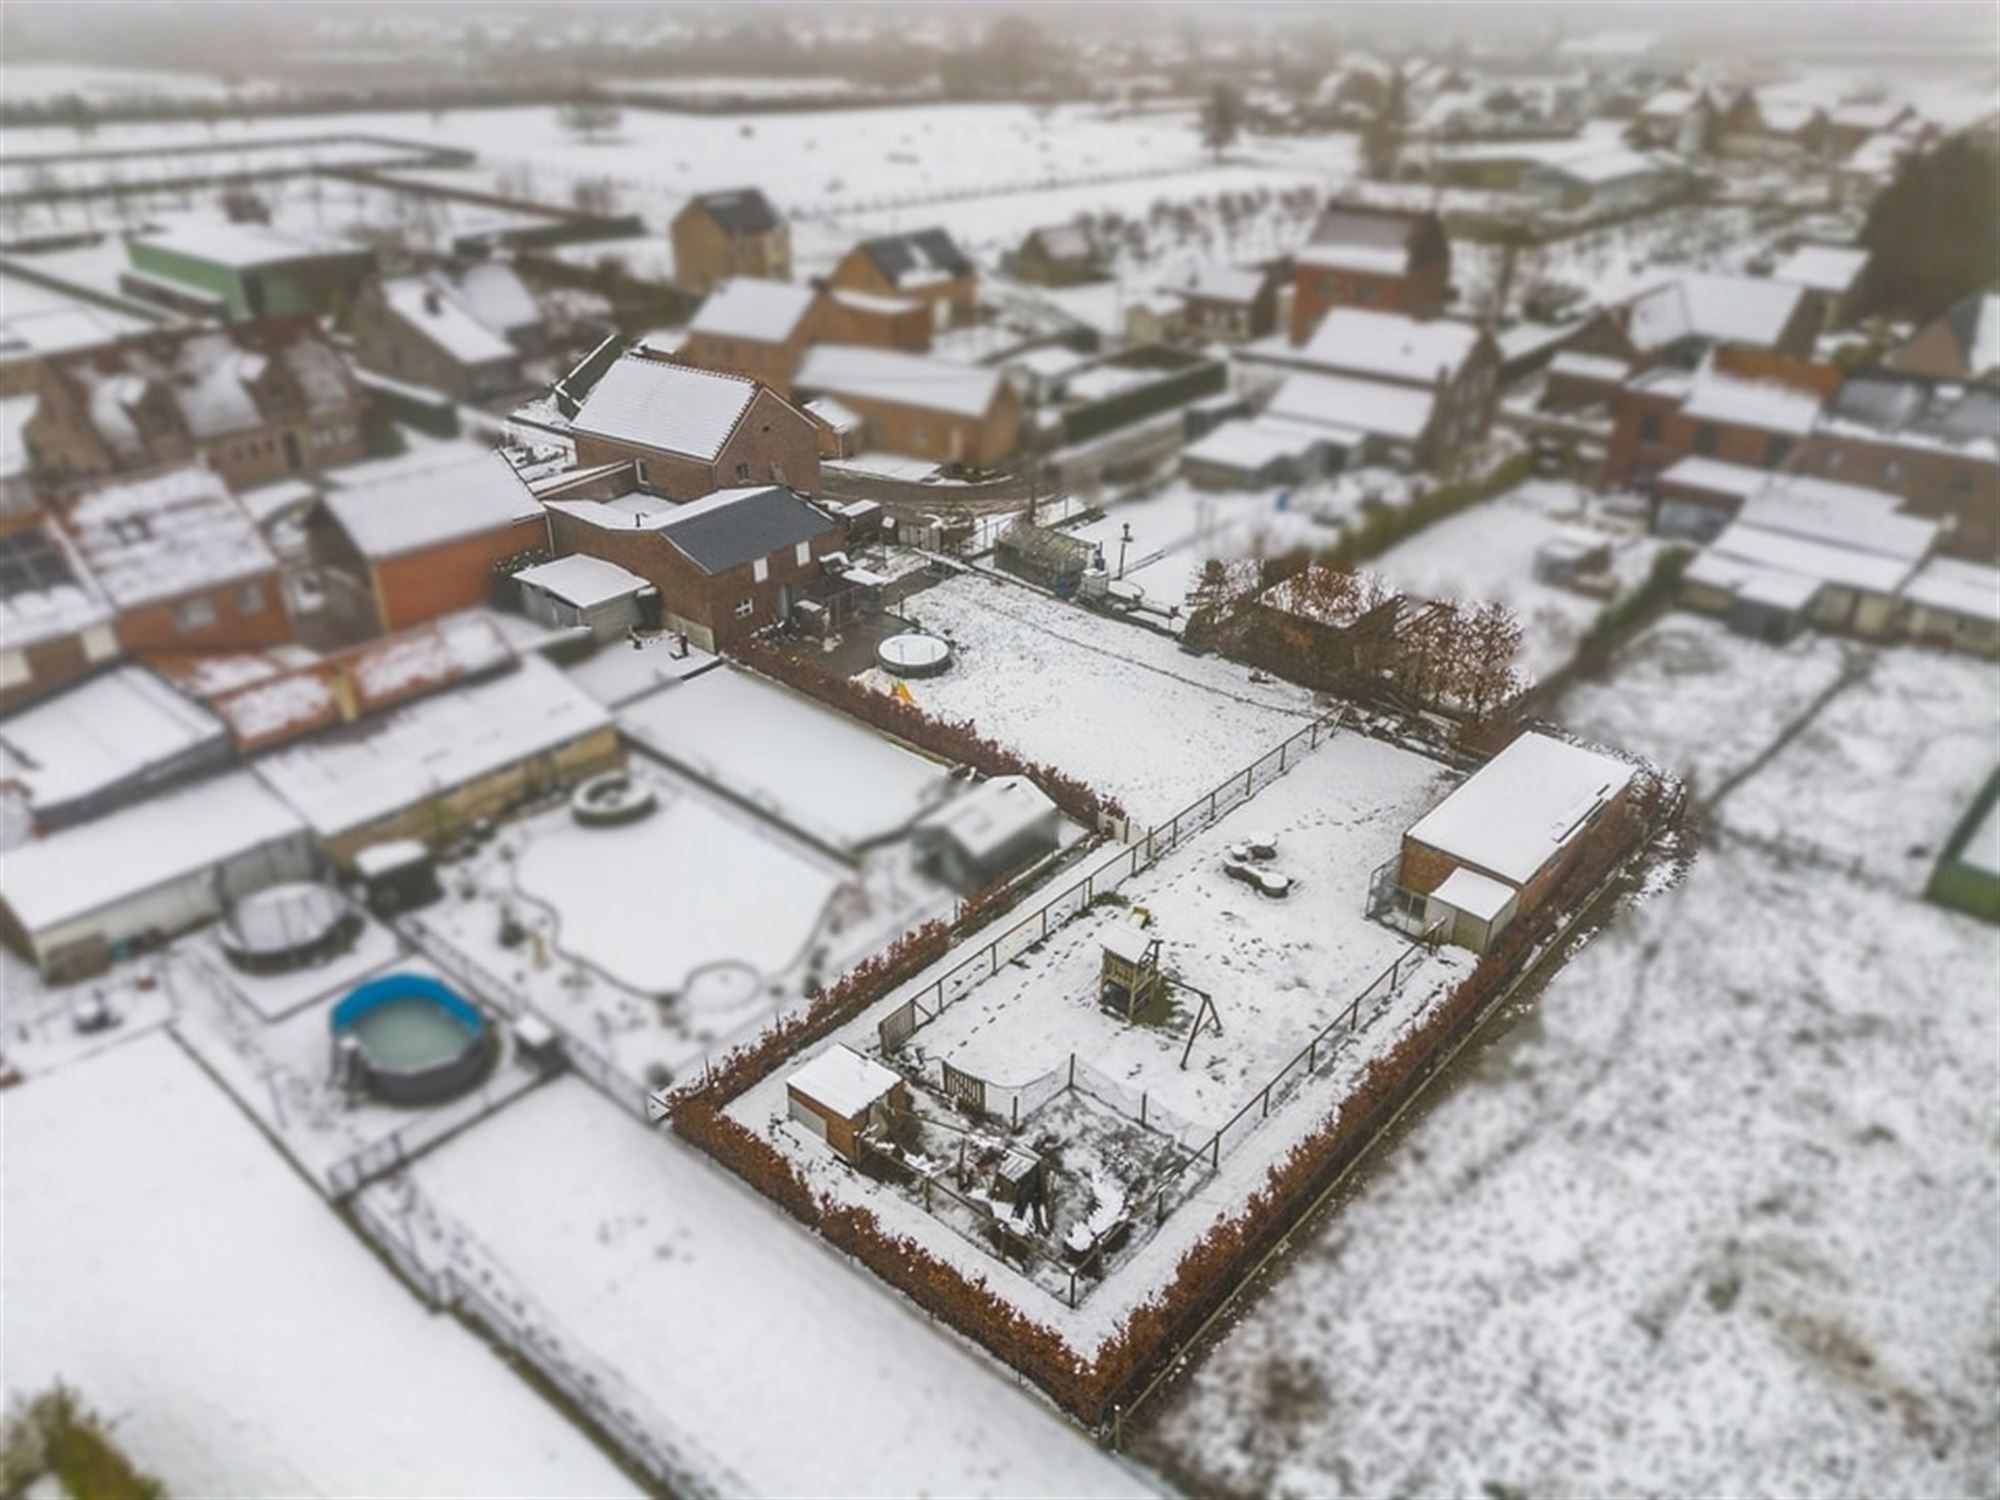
293, 458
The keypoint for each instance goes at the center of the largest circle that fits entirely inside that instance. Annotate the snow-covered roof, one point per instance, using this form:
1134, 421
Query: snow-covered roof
351, 776
1515, 813
1824, 268
1249, 446
1788, 116
411, 510
836, 416
1224, 283
1595, 168
109, 860
154, 539
45, 589
750, 307
582, 581
1388, 345
1763, 549
886, 375
1954, 586
1869, 115
1741, 480
435, 313
1382, 260
112, 728
1589, 366
392, 854
1739, 309
653, 404
239, 246
1477, 895
1830, 518
1062, 241
992, 815
1670, 104
494, 293
1126, 939
843, 1081
1401, 412
1763, 404
868, 302
1877, 156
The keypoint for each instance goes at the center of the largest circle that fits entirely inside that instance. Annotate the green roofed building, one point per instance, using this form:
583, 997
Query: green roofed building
243, 271
1967, 877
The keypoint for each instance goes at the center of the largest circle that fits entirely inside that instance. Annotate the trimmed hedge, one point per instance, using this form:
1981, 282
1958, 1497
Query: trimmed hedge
57, 1434
1152, 1333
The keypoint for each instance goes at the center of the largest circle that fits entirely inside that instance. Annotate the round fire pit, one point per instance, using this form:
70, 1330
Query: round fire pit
611, 799
914, 654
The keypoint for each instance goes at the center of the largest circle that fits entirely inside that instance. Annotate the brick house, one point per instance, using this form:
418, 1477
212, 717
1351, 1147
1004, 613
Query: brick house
1930, 443
717, 236
1232, 304
1742, 407
1852, 123
55, 624
725, 566
1458, 363
925, 265
690, 432
1056, 255
255, 402
1497, 847
919, 406
409, 545
753, 328
1383, 259
847, 317
180, 563
1835, 278
419, 329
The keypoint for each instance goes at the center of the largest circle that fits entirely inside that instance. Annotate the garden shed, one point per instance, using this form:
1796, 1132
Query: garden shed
838, 1093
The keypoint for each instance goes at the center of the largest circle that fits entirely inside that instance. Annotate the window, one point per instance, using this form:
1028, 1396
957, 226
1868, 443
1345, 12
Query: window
1364, 293
743, 473
1776, 450
1961, 482
639, 470
747, 608
250, 599
760, 570
1893, 469
193, 614
99, 642
802, 554
1649, 427
14, 669
1704, 438
1834, 460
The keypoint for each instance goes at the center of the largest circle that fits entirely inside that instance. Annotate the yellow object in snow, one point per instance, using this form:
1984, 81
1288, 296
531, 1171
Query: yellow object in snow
902, 690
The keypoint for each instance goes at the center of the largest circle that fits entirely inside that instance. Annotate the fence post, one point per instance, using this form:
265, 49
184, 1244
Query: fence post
1017, 1114
1267, 1103
1143, 1097
1281, 755
1247, 770
1072, 1072
1215, 1153
1312, 1055
1211, 806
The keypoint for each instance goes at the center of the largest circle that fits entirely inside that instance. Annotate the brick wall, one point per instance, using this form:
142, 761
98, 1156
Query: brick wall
1316, 290
1961, 490
960, 296
420, 586
1631, 452
247, 614
773, 443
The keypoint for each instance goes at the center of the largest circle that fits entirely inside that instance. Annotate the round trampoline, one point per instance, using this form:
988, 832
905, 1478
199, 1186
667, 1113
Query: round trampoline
414, 1038
288, 927
914, 654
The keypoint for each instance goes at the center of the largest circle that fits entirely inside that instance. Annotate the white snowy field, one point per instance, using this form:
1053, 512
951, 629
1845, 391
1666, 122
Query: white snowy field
1719, 1213
163, 1259
1487, 553
1115, 705
812, 769
1180, 526
796, 1372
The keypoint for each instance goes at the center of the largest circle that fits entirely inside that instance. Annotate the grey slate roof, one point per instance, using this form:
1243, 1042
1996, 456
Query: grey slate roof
740, 210
733, 527
896, 255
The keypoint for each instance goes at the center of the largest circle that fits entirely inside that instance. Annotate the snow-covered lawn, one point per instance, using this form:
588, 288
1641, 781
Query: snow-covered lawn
1279, 971
162, 1258
825, 775
1720, 1214
793, 1372
1116, 705
1179, 527
1487, 553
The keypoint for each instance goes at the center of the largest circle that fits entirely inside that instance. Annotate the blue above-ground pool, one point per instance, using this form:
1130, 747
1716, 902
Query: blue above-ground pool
417, 1038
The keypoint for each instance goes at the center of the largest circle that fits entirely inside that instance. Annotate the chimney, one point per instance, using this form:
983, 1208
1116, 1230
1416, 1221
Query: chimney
433, 303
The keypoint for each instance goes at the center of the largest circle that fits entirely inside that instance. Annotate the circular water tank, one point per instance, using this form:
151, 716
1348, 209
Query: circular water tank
914, 654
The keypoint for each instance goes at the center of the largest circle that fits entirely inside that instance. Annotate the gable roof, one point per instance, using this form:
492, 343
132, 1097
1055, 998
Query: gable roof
1974, 324
434, 311
1823, 268
240, 246
749, 307
1062, 241
494, 293
895, 378
1736, 309
1390, 345
738, 210
414, 509
917, 258
732, 527
156, 538
1351, 405
672, 408
1220, 283
1358, 237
